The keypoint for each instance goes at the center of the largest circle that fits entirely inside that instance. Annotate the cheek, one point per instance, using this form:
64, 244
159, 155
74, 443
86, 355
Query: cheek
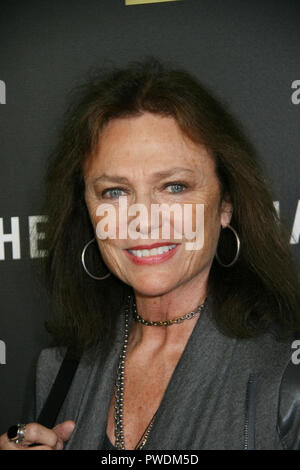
208, 230
212, 226
204, 216
104, 219
212, 217
111, 257
91, 208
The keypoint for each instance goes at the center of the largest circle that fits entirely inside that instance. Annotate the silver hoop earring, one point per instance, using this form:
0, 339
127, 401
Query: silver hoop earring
84, 266
238, 243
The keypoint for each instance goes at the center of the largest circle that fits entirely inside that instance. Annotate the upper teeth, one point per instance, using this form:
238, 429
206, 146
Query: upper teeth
155, 251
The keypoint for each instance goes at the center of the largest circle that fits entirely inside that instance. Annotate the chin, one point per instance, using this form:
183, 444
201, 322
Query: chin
153, 286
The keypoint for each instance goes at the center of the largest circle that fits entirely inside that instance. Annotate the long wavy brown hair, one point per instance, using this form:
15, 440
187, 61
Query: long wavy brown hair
261, 289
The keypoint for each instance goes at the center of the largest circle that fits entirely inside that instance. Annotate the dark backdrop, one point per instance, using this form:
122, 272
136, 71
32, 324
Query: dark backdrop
246, 52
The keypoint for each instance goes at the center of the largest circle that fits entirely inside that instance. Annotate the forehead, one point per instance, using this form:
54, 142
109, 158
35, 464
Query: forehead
147, 141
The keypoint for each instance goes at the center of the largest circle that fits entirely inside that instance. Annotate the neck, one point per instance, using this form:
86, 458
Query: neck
185, 299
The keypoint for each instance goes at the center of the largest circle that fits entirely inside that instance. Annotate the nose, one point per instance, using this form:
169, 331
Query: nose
139, 215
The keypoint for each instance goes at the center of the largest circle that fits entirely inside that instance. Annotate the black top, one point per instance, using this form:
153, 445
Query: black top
107, 445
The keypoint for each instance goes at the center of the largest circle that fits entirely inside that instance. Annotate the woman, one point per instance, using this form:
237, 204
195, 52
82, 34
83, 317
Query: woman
180, 348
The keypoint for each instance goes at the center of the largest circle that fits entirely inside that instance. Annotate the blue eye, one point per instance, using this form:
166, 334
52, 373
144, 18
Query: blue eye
178, 187
113, 193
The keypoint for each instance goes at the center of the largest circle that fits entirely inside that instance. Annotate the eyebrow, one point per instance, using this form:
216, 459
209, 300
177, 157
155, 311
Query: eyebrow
156, 175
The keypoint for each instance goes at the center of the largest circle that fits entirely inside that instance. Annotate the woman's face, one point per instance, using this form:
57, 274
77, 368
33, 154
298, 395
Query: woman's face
150, 161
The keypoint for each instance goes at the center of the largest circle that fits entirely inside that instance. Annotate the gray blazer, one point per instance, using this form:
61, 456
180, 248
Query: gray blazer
210, 403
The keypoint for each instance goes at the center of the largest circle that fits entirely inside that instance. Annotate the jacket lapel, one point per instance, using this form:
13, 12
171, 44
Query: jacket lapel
91, 405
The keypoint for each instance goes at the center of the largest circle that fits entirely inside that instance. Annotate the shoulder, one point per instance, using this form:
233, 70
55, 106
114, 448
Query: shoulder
49, 362
73, 373
268, 352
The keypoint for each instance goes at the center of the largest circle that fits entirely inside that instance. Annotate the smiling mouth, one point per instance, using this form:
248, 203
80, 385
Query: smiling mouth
157, 254
153, 251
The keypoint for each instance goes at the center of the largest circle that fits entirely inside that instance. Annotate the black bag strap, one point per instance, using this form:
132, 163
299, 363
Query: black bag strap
59, 391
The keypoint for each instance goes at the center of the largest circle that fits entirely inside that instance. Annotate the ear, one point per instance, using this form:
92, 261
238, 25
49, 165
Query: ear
226, 210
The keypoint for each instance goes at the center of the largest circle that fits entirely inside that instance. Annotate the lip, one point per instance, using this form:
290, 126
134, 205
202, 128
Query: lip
152, 259
149, 247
